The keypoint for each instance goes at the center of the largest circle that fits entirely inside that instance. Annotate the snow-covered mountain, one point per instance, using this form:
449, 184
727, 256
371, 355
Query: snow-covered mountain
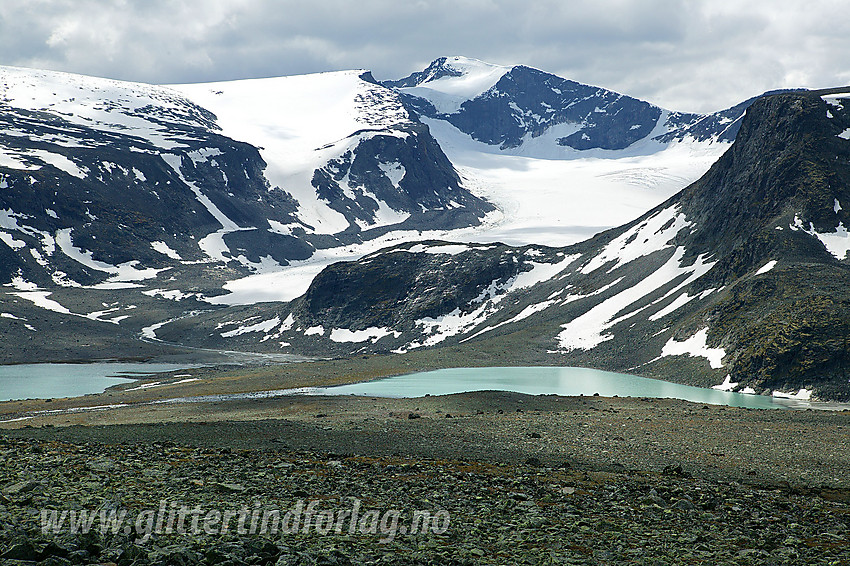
110, 183
156, 211
548, 150
540, 114
739, 281
346, 149
104, 180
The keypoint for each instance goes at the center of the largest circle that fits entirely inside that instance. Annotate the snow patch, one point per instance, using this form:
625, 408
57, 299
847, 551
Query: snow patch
447, 94
265, 326
60, 162
280, 228
170, 294
541, 272
727, 384
149, 332
766, 267
22, 284
213, 244
522, 315
288, 323
588, 330
836, 100
451, 324
163, 248
204, 155
803, 394
679, 301
394, 171
10, 241
695, 346
649, 236
121, 273
372, 334
449, 249
837, 243
40, 299
385, 215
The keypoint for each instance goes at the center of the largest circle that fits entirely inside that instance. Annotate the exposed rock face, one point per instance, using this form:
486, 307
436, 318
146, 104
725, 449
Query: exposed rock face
397, 286
112, 195
776, 197
526, 101
403, 181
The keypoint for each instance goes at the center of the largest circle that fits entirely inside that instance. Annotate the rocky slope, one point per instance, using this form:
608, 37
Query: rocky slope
740, 278
507, 469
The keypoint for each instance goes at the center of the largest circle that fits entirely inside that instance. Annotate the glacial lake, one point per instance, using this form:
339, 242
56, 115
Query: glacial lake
44, 381
566, 381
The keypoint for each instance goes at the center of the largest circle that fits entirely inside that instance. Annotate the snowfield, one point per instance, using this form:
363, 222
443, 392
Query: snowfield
556, 202
563, 201
545, 193
299, 123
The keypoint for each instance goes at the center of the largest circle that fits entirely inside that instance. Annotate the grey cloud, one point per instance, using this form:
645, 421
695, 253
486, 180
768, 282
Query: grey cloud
700, 55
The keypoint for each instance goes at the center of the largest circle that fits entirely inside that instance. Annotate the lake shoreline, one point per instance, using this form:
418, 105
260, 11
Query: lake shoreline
256, 374
133, 406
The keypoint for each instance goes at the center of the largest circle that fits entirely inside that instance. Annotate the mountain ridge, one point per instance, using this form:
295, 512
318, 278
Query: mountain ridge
526, 102
715, 287
135, 211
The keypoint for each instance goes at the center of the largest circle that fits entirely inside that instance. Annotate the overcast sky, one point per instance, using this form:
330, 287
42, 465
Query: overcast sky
689, 55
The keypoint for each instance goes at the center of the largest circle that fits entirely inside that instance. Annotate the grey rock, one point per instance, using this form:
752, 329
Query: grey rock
19, 488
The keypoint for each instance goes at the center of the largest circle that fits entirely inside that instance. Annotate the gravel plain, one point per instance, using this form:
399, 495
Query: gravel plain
524, 479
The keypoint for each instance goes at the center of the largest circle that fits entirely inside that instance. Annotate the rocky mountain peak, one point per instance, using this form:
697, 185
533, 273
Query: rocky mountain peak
781, 183
443, 67
508, 107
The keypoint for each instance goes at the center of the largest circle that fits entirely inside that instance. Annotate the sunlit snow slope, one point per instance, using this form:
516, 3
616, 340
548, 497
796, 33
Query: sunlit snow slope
301, 123
561, 160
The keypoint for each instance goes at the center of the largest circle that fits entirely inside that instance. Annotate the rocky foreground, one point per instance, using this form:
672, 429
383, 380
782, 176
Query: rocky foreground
605, 498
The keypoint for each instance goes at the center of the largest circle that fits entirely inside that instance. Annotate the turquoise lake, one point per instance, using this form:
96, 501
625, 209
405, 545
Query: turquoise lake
41, 381
567, 381
44, 381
